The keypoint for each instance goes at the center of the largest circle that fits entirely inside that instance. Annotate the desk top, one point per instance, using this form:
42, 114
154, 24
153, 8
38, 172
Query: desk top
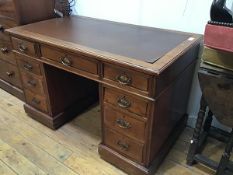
137, 45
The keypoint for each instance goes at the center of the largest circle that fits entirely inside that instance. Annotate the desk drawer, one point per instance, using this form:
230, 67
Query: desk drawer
120, 100
24, 46
124, 124
33, 83
123, 145
125, 77
28, 64
4, 36
77, 61
10, 73
37, 101
6, 53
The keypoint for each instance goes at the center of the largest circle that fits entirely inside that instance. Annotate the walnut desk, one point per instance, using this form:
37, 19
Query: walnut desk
141, 76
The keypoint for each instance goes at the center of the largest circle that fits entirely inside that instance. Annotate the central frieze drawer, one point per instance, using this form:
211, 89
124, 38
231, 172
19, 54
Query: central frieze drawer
126, 102
125, 124
78, 61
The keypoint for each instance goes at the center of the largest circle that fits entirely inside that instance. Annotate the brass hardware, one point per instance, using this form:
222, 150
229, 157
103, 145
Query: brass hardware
2, 28
28, 67
124, 79
66, 61
22, 48
4, 50
32, 83
123, 124
35, 101
123, 102
10, 74
123, 146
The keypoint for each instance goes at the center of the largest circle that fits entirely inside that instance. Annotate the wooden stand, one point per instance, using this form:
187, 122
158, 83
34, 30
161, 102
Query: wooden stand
215, 85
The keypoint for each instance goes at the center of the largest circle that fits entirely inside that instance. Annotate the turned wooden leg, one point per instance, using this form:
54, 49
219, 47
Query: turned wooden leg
193, 149
225, 157
208, 121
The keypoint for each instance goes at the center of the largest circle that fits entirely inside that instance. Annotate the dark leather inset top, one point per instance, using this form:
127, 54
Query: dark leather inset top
137, 42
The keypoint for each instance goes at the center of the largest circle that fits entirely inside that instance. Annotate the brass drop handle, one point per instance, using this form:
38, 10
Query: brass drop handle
123, 146
124, 79
66, 61
35, 101
123, 102
10, 74
1, 28
32, 83
22, 48
123, 124
28, 67
4, 50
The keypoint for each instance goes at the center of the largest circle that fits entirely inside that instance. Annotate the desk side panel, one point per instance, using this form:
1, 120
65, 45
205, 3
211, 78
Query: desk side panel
169, 109
173, 71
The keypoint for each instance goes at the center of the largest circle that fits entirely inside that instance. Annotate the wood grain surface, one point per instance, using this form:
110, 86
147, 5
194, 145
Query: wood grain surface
27, 147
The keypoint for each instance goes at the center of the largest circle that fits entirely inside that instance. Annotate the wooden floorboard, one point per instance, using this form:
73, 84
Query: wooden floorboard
28, 147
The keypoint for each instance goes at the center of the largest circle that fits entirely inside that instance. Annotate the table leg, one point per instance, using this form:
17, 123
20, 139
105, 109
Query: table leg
225, 157
208, 121
193, 149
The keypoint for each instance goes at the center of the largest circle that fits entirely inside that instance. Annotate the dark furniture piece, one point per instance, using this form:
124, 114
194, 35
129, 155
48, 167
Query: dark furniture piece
217, 88
13, 13
28, 11
141, 76
9, 73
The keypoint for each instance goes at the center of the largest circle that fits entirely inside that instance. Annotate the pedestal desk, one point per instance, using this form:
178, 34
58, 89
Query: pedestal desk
140, 75
9, 73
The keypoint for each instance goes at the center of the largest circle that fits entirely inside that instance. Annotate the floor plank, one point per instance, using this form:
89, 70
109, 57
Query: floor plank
28, 147
17, 162
5, 170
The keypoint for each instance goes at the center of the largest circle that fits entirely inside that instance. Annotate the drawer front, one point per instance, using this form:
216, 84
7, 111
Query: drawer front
125, 77
24, 46
4, 36
77, 61
126, 102
124, 124
6, 53
28, 64
34, 84
123, 145
10, 73
37, 101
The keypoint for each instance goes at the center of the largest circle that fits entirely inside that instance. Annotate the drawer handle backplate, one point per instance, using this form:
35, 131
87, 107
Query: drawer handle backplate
123, 124
66, 61
123, 146
22, 48
35, 101
10, 74
32, 83
28, 67
123, 102
124, 79
4, 50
